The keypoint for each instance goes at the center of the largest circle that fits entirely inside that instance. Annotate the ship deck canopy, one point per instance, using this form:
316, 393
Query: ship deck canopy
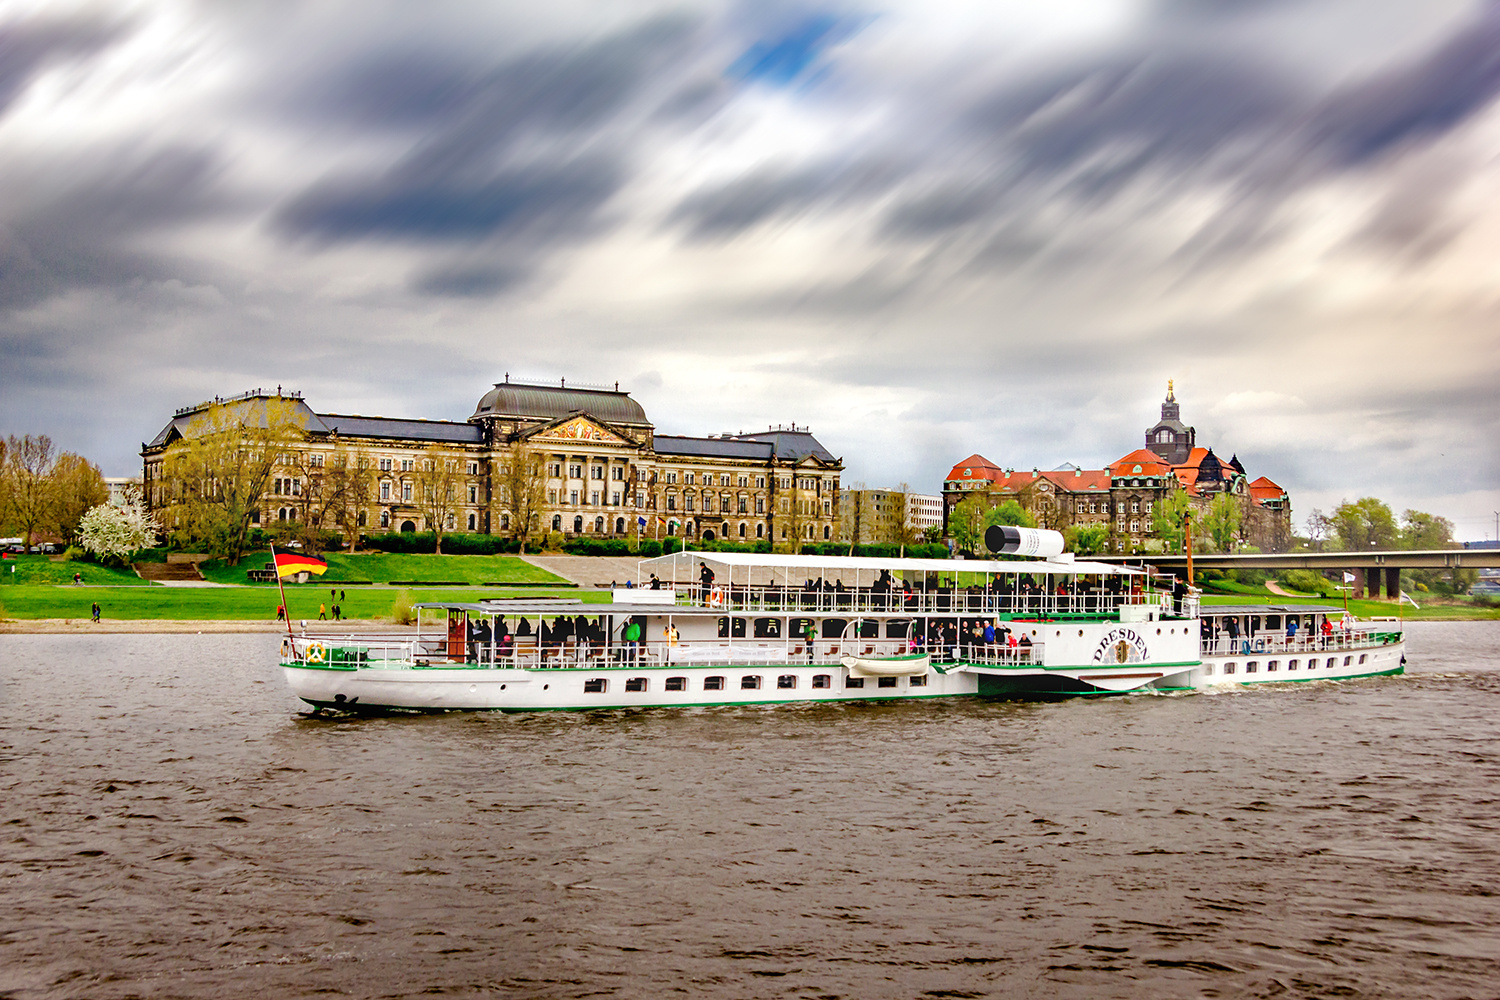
677, 562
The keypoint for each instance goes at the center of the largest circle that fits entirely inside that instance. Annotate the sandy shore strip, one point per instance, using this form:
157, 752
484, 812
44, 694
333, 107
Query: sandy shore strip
69, 626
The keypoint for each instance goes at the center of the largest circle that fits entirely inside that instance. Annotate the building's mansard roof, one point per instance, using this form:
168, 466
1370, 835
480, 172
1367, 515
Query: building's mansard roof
791, 446
251, 405
702, 447
511, 400
436, 431
1149, 462
975, 467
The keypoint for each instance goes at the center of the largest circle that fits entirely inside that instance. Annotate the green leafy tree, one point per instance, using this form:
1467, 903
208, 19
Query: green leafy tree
214, 477
1425, 531
966, 523
1010, 513
1089, 539
1222, 523
520, 493
30, 484
1167, 519
1364, 525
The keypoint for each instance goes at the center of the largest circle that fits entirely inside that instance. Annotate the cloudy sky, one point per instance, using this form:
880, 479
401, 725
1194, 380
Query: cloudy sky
925, 229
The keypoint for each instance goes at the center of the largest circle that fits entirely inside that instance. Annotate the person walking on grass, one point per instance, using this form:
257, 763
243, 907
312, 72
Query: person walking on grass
322, 612
94, 611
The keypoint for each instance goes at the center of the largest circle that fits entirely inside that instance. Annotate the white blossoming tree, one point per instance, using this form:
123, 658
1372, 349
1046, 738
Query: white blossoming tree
113, 533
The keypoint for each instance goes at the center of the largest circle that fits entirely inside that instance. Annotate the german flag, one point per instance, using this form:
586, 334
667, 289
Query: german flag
289, 563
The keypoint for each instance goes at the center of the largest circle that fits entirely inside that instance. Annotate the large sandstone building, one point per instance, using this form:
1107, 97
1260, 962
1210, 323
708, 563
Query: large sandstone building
605, 470
1123, 494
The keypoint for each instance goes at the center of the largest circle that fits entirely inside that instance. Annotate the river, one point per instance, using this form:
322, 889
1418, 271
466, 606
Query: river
171, 825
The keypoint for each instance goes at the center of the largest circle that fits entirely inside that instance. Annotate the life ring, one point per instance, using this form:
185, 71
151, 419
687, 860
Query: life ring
715, 598
315, 652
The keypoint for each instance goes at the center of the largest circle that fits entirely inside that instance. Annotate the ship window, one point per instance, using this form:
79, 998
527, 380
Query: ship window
1273, 665
1252, 667
1293, 665
1329, 663
737, 628
713, 683
886, 682
676, 683
750, 682
1229, 668
855, 682
724, 627
833, 628
635, 684
821, 680
1348, 660
897, 629
917, 682
768, 628
1363, 657
869, 628
786, 682
595, 685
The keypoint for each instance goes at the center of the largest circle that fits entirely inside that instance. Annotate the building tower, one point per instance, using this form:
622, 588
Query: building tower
1170, 439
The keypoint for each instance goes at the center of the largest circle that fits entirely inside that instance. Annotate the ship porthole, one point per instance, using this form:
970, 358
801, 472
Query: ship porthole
502, 687
546, 686
473, 688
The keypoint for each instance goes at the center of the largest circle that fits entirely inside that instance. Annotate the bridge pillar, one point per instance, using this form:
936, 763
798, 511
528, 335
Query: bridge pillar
1393, 583
1359, 584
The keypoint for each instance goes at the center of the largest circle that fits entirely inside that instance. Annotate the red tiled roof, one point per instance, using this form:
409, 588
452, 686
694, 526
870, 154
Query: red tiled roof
975, 467
1264, 489
1150, 463
1195, 457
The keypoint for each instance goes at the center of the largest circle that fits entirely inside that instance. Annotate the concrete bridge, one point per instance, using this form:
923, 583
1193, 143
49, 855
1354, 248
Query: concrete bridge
1367, 567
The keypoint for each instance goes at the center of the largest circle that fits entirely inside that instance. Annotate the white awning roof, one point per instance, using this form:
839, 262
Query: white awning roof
814, 564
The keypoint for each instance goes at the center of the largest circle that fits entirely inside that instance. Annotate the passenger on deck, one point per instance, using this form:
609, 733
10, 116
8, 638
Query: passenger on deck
655, 583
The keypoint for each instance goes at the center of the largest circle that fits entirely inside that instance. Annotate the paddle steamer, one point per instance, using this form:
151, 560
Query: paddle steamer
718, 628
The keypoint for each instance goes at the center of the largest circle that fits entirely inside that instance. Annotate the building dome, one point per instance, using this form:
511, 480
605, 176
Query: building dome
516, 401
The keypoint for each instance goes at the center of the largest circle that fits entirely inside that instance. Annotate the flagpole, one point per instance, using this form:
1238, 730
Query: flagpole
282, 589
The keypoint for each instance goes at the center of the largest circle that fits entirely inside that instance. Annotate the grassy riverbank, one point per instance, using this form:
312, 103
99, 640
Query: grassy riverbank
384, 567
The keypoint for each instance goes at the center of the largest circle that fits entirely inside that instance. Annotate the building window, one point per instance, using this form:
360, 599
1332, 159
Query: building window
575, 471
406, 464
573, 497
750, 682
406, 492
554, 469
1135, 526
473, 521
671, 477
594, 497
742, 529
617, 473
713, 683
760, 530
687, 502
552, 496
556, 522
760, 505
596, 472
473, 494
578, 524
614, 499
671, 501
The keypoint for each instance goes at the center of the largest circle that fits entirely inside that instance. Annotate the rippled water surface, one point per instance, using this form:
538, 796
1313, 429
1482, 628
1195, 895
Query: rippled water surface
171, 826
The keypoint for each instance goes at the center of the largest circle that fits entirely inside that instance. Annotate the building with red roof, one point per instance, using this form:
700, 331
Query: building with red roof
1123, 495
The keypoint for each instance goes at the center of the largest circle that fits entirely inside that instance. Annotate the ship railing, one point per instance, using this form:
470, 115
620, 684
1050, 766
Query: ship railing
1363, 637
987, 655
351, 649
772, 598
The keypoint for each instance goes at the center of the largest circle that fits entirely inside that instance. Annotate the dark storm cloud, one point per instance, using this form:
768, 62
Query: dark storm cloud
1427, 98
30, 46
79, 225
552, 200
532, 148
751, 200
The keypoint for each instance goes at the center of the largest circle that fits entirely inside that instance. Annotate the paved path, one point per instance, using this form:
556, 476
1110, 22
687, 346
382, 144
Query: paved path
1275, 588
